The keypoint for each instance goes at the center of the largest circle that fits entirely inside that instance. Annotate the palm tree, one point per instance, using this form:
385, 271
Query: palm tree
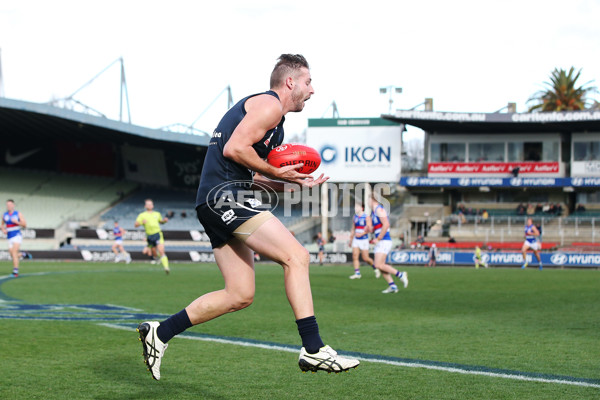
562, 94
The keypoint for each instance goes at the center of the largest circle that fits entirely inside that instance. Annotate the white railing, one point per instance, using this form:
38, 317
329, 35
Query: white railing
504, 227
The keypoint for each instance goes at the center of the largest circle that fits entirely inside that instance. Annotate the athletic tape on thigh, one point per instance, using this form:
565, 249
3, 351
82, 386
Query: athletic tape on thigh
247, 228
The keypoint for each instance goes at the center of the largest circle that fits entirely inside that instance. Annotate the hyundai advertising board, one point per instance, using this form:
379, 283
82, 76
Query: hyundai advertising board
357, 149
509, 258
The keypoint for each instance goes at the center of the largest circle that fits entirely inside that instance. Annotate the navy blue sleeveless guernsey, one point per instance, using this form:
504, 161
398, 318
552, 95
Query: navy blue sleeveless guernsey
219, 169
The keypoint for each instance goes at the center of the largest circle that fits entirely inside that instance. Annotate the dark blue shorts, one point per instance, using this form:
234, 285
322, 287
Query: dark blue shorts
220, 224
155, 239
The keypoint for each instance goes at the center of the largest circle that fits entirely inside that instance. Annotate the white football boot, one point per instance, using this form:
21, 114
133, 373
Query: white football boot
391, 289
326, 359
404, 279
154, 348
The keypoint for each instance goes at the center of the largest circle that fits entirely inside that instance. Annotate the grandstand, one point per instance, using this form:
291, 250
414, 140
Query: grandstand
68, 171
178, 205
53, 201
64, 168
511, 165
48, 199
502, 225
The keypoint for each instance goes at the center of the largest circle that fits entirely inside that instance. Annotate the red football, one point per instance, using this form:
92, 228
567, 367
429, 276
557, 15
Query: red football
295, 153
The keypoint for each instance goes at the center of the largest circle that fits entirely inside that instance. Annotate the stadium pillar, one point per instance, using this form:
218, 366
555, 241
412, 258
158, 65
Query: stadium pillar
428, 104
367, 199
1, 78
325, 211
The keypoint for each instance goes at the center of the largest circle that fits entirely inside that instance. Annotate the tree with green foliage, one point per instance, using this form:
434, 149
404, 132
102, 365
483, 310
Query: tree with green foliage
563, 94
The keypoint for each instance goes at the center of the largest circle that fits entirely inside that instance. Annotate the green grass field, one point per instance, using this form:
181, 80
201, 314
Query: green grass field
455, 333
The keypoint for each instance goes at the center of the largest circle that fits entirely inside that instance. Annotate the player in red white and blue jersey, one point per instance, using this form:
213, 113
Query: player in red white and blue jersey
531, 242
117, 246
359, 240
383, 245
12, 222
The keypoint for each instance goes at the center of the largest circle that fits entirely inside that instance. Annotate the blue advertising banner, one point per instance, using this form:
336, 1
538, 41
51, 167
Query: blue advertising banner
414, 181
566, 259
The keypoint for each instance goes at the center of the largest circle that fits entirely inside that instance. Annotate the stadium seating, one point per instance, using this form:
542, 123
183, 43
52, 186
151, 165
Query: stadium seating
501, 211
49, 199
583, 215
289, 217
484, 245
179, 202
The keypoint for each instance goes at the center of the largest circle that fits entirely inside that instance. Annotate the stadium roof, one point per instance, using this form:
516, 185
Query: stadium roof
434, 121
42, 121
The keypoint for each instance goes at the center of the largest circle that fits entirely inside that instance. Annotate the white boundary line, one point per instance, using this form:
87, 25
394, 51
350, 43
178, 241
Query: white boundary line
381, 361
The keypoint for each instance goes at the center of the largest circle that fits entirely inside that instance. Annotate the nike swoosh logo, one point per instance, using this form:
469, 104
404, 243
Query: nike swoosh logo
12, 159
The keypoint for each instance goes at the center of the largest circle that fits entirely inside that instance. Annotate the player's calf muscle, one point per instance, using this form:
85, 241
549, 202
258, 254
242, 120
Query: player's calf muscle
239, 302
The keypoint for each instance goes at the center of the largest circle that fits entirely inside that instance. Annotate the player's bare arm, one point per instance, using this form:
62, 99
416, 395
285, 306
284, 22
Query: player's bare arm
534, 232
280, 186
22, 222
385, 223
263, 113
277, 186
369, 227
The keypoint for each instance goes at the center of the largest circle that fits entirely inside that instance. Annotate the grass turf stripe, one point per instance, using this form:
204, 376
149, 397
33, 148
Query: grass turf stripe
396, 361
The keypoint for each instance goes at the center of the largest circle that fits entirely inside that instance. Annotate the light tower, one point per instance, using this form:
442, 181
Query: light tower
391, 90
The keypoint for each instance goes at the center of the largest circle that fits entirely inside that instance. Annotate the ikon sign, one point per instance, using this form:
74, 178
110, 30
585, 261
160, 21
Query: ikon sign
357, 150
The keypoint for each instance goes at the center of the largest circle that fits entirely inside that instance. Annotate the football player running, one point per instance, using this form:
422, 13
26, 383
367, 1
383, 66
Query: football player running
359, 240
531, 242
235, 159
383, 245
12, 222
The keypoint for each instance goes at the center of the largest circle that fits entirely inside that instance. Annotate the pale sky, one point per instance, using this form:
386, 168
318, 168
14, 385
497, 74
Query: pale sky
469, 56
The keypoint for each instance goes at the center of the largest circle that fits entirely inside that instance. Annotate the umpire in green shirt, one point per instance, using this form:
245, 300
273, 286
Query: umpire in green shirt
151, 220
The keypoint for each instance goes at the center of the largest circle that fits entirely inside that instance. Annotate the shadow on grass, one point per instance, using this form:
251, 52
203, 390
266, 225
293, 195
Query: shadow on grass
119, 378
